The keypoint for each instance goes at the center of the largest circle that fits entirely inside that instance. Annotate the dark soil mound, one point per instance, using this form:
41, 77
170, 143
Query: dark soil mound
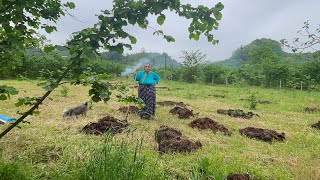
171, 140
217, 95
262, 134
172, 103
207, 123
238, 177
311, 110
182, 112
236, 113
316, 125
132, 109
105, 124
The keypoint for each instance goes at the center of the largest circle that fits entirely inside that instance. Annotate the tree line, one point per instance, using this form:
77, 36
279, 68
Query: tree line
263, 67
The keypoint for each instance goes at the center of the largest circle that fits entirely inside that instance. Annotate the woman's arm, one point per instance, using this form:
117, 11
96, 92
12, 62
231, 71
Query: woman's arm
156, 77
136, 74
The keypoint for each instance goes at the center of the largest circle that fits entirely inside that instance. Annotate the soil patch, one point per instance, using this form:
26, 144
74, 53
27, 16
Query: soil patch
238, 177
259, 101
316, 125
132, 109
237, 113
172, 103
207, 123
183, 112
105, 124
172, 140
217, 95
266, 135
311, 110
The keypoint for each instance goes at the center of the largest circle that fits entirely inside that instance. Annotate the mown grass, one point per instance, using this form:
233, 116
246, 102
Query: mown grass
52, 147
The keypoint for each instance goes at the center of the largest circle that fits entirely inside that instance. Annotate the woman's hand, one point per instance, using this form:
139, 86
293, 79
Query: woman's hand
137, 69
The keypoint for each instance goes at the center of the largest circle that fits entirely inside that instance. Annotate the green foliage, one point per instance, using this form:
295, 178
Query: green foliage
253, 101
202, 171
64, 91
131, 99
7, 91
191, 70
116, 160
11, 171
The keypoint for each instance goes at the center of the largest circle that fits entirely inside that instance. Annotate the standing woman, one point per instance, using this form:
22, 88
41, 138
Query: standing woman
147, 90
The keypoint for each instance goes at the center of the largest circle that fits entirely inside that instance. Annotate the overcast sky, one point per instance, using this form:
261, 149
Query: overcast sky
242, 22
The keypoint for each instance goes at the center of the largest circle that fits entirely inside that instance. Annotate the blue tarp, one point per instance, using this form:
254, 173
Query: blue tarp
6, 119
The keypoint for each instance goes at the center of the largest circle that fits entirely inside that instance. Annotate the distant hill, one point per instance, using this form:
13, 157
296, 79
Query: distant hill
241, 55
155, 59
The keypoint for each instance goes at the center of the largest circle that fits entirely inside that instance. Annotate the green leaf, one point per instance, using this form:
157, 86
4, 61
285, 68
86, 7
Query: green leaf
160, 19
196, 37
71, 5
3, 97
96, 98
11, 90
50, 29
191, 29
20, 102
219, 6
218, 15
133, 39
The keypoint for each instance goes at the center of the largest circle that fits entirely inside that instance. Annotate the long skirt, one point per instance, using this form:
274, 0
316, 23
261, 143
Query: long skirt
148, 94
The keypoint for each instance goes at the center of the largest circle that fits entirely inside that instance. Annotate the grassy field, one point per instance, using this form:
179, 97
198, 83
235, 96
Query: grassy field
52, 147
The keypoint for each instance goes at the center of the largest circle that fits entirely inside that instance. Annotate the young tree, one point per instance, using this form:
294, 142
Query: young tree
108, 33
192, 61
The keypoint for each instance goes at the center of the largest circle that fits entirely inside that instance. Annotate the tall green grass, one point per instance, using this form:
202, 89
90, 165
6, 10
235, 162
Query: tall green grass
117, 160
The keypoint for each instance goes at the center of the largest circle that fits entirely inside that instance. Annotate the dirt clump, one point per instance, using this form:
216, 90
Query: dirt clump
259, 101
217, 95
172, 140
238, 177
105, 124
266, 135
207, 123
132, 109
172, 103
316, 125
264, 102
183, 112
237, 113
311, 110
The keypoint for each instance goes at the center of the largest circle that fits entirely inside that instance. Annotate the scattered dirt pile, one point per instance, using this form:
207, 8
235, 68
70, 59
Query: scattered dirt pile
183, 112
316, 125
259, 101
217, 95
172, 103
311, 110
237, 113
105, 124
238, 177
266, 135
132, 109
171, 140
207, 123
